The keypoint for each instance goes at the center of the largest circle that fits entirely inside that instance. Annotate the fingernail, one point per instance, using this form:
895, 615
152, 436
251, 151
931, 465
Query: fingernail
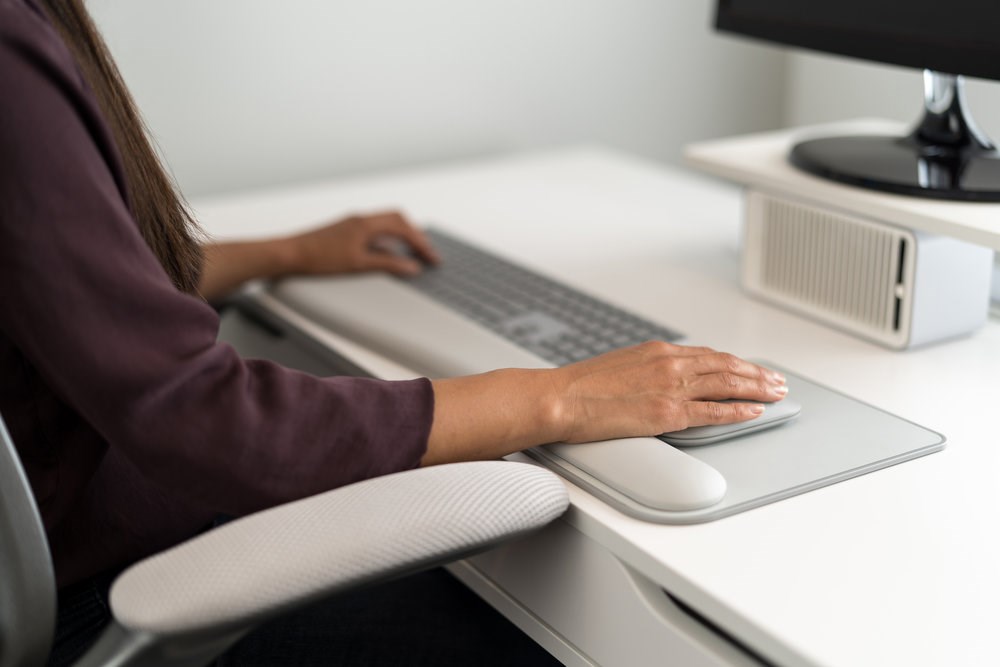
757, 409
781, 390
777, 377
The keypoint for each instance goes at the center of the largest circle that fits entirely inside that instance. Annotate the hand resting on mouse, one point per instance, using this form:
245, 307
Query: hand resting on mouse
644, 390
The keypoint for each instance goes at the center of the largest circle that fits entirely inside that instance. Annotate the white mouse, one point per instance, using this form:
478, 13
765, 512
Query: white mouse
774, 414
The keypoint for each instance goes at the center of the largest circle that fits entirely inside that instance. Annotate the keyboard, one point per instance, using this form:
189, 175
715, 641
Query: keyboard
558, 323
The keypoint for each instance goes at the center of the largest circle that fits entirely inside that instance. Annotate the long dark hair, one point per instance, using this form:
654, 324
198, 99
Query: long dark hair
161, 213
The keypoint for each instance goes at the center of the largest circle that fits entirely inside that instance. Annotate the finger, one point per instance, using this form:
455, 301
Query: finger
721, 362
397, 225
724, 385
703, 413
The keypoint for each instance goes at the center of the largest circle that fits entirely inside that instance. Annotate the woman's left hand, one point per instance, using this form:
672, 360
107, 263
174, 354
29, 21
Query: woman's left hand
377, 242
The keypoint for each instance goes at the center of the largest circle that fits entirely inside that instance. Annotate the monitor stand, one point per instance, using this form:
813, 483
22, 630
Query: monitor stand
945, 157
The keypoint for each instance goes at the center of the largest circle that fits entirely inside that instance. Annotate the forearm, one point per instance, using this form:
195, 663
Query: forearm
489, 415
229, 265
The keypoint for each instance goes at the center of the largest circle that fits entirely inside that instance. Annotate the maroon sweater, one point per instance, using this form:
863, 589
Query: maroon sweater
134, 424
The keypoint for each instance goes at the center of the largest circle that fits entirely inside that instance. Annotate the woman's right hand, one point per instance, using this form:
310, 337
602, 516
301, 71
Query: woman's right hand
659, 387
642, 390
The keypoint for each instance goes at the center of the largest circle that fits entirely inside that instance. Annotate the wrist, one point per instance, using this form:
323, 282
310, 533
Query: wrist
548, 403
287, 256
495, 413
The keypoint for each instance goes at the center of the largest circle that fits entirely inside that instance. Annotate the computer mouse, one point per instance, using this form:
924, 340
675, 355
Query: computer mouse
774, 415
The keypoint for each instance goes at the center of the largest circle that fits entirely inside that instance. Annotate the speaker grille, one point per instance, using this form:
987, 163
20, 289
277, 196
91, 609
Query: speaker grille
845, 268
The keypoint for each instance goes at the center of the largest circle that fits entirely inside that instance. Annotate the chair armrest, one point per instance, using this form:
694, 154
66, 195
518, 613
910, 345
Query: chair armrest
256, 567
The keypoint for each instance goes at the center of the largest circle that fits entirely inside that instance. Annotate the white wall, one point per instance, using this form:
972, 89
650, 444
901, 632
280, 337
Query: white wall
242, 93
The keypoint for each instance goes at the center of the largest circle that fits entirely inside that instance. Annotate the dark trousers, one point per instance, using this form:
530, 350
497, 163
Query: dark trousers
426, 619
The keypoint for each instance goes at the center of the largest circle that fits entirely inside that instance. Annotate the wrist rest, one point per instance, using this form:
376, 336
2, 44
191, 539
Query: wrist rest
646, 470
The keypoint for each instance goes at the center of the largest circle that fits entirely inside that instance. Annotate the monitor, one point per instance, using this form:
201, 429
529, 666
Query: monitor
945, 156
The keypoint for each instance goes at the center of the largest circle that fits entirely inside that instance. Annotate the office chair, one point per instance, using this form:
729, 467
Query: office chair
185, 606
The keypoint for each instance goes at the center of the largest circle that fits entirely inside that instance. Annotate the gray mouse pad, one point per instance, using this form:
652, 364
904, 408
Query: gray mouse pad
834, 438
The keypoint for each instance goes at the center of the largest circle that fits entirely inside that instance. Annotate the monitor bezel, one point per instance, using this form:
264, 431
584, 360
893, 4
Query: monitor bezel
973, 59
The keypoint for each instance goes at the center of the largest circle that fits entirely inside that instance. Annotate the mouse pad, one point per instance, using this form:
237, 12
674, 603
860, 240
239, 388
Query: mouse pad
834, 438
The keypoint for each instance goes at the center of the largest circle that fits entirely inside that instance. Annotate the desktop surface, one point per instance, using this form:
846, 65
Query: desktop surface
894, 567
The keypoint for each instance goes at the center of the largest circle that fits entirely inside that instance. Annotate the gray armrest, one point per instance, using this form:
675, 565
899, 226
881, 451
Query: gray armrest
251, 569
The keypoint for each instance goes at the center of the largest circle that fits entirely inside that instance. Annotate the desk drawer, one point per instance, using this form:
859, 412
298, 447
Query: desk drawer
587, 608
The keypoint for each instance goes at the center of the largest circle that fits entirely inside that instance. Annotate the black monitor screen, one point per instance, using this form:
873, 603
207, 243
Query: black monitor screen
954, 36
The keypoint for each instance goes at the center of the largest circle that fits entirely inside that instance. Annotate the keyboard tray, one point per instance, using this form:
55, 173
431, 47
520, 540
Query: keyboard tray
835, 438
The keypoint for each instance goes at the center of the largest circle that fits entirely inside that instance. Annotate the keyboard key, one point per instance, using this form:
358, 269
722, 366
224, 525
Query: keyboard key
552, 320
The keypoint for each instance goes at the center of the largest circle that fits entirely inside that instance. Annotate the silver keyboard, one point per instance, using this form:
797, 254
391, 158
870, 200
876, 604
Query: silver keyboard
555, 322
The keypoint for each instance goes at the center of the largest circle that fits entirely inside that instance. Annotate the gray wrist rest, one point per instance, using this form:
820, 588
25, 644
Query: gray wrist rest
647, 470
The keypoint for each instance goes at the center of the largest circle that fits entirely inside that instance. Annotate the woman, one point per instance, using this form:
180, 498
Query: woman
137, 428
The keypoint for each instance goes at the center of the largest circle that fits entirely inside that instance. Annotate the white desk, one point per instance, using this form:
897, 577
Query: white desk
899, 567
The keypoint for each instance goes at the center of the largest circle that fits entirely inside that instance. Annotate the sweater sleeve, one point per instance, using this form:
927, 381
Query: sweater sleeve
89, 306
